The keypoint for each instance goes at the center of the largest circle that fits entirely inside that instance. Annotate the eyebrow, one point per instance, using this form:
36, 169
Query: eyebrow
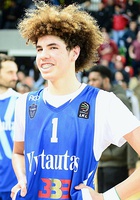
48, 45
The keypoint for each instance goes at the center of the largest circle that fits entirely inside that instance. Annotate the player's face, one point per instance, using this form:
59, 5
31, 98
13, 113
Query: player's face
53, 59
95, 80
8, 74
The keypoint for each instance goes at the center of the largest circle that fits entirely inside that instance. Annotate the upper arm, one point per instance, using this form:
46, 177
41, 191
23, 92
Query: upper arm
133, 138
19, 124
18, 148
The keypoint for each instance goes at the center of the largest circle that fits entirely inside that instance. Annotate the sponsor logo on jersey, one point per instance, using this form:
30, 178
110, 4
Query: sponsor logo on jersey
84, 109
54, 188
34, 98
52, 162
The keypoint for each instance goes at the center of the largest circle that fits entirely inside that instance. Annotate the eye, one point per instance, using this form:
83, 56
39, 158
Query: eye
39, 49
53, 47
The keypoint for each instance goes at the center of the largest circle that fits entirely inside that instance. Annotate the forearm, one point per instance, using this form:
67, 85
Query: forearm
19, 166
121, 191
18, 161
130, 186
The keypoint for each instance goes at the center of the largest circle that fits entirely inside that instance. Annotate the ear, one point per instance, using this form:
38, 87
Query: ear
75, 53
106, 82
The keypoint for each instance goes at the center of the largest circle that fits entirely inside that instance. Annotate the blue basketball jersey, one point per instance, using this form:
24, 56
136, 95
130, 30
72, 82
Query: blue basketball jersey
7, 176
59, 146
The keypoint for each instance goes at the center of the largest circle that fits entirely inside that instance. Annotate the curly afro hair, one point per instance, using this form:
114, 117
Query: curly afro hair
74, 26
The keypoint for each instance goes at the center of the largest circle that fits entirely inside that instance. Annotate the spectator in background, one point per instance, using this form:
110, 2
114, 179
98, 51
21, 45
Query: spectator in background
21, 76
100, 76
121, 80
119, 24
132, 9
22, 88
29, 81
136, 89
102, 16
119, 65
8, 96
122, 3
115, 164
128, 38
110, 10
36, 75
11, 15
108, 51
21, 85
134, 53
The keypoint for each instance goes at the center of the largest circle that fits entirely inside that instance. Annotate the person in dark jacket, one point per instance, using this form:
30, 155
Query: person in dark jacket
128, 38
115, 164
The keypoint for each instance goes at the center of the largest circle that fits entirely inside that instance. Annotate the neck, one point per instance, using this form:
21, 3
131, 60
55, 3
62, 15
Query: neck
108, 87
62, 87
3, 90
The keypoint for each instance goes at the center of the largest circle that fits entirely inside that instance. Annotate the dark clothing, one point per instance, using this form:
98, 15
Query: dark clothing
128, 34
121, 94
68, 2
116, 161
102, 17
108, 175
132, 8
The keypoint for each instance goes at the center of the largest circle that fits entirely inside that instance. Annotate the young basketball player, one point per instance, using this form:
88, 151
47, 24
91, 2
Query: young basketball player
62, 130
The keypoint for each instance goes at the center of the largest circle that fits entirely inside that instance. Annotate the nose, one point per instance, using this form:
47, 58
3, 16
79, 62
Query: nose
44, 54
90, 82
15, 77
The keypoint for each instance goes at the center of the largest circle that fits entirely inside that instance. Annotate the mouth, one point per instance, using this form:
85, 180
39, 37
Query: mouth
46, 66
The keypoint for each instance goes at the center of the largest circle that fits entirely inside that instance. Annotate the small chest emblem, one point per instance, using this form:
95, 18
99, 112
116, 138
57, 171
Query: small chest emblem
32, 110
84, 109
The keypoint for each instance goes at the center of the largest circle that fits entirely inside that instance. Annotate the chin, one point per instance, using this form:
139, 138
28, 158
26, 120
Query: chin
47, 77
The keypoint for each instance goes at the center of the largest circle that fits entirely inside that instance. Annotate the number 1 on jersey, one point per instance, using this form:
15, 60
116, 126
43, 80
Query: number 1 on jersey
54, 137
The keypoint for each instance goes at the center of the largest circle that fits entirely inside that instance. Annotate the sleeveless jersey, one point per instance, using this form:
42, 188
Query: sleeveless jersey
59, 146
7, 176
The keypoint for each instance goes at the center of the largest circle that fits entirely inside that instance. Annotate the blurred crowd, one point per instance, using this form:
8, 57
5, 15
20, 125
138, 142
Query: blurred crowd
119, 21
104, 11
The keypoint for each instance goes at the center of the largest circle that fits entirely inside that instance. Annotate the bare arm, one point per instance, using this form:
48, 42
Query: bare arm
131, 185
19, 168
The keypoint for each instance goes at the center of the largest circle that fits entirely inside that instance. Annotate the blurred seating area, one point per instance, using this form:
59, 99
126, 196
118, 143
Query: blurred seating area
119, 21
12, 10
